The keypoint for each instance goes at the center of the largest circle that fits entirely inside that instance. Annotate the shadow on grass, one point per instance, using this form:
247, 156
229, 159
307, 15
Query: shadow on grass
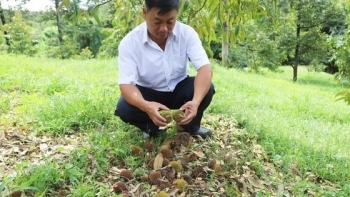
318, 82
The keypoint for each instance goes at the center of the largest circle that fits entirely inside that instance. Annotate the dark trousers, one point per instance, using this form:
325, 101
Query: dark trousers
182, 93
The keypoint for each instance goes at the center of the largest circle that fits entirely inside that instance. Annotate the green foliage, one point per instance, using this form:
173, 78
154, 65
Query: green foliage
95, 41
257, 52
122, 22
286, 40
314, 46
335, 19
3, 46
343, 62
344, 95
20, 36
316, 67
65, 51
100, 26
85, 54
200, 15
109, 48
308, 17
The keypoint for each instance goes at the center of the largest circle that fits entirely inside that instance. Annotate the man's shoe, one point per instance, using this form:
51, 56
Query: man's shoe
147, 135
203, 132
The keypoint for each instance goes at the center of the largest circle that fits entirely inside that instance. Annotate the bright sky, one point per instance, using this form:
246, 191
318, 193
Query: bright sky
32, 5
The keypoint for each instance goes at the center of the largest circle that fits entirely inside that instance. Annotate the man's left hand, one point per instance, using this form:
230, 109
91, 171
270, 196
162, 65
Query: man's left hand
190, 109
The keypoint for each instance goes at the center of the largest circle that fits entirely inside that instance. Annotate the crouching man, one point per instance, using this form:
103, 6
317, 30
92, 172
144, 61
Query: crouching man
154, 73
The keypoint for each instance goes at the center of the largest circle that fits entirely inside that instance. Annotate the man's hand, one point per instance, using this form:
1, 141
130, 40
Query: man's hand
133, 96
190, 109
151, 108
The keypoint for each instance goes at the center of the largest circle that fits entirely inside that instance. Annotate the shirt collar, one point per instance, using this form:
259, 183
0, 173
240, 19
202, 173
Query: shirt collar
173, 34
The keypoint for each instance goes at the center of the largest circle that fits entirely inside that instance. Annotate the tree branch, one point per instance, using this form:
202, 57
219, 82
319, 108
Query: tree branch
195, 13
104, 3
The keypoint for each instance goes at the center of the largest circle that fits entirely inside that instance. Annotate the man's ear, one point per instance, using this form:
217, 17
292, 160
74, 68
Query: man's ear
144, 12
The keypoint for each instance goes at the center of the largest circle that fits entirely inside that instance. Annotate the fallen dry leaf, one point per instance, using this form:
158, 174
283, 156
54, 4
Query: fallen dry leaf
254, 182
200, 154
158, 162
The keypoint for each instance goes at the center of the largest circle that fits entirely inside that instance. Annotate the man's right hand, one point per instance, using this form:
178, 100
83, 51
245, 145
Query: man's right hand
152, 108
133, 96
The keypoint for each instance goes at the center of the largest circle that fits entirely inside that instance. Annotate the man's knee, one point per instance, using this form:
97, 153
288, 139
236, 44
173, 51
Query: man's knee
123, 110
210, 93
211, 90
208, 97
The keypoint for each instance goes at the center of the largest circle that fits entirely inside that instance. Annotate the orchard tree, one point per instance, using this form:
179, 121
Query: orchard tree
79, 27
223, 21
253, 37
301, 35
58, 22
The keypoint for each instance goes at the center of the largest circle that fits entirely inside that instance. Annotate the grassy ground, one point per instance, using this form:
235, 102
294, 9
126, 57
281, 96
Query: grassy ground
299, 121
294, 136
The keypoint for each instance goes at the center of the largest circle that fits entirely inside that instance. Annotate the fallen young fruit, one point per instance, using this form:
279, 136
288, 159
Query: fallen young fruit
178, 115
167, 115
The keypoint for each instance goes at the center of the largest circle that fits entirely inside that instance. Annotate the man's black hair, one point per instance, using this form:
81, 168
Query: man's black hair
164, 6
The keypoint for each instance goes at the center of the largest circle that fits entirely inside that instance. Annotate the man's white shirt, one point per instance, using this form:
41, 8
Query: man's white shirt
141, 61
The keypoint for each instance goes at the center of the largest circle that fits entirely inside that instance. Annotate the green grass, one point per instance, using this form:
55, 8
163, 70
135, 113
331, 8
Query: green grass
296, 123
59, 96
300, 121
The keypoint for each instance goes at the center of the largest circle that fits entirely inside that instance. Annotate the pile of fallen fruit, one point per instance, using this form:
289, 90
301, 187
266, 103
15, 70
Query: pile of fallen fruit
174, 170
231, 163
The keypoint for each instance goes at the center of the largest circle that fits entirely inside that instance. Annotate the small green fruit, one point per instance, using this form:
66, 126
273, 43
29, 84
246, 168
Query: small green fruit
167, 115
161, 194
178, 115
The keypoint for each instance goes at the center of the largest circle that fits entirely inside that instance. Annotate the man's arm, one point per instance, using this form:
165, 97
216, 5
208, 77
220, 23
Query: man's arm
202, 83
133, 96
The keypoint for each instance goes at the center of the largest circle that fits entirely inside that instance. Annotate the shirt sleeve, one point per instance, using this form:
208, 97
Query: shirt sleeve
127, 66
195, 50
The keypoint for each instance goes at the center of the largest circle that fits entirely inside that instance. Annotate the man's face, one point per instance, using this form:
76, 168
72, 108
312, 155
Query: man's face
159, 26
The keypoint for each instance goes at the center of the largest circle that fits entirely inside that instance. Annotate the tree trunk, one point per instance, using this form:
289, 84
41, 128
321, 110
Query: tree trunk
297, 46
58, 20
296, 55
225, 38
3, 21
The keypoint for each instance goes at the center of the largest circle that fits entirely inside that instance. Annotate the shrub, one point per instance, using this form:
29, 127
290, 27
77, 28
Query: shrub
67, 50
20, 37
109, 48
85, 54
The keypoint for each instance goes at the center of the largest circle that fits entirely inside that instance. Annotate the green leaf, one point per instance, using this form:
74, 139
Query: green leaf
96, 18
343, 95
237, 28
